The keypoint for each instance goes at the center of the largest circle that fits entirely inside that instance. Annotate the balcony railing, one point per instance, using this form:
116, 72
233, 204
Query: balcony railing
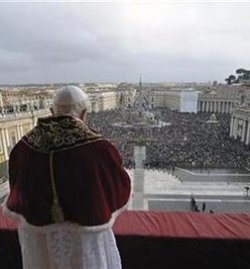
156, 240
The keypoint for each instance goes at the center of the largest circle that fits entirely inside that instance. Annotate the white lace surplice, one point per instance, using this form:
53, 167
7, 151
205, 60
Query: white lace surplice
68, 247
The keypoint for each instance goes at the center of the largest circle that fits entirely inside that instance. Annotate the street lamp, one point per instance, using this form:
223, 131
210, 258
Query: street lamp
247, 190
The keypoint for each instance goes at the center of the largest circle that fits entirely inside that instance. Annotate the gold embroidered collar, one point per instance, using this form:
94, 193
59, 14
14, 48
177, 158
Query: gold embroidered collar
59, 133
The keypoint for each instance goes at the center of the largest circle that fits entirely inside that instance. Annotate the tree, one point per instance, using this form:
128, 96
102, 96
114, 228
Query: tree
240, 71
243, 74
230, 80
243, 77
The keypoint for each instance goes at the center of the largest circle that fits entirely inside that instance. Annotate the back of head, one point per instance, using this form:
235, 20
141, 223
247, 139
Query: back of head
70, 100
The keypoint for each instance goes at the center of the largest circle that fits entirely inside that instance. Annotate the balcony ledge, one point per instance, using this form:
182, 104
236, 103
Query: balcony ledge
159, 240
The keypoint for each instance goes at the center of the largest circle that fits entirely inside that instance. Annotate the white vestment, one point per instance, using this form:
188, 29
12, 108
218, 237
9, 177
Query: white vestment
66, 246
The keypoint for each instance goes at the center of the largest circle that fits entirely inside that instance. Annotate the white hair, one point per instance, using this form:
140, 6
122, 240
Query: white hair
70, 100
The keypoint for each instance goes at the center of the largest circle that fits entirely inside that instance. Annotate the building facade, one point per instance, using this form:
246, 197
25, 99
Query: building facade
178, 99
12, 127
216, 102
240, 124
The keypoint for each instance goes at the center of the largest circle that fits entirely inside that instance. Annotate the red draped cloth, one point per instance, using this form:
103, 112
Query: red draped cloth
164, 240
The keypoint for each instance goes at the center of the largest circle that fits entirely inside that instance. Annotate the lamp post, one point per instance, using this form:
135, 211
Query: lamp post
247, 191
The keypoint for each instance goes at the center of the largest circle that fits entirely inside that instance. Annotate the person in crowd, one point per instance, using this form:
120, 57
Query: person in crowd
67, 186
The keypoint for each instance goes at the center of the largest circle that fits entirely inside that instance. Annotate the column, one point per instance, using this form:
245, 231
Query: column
222, 107
233, 105
213, 106
231, 126
207, 106
21, 130
235, 129
199, 105
34, 118
245, 133
219, 107
5, 149
7, 137
19, 135
242, 139
248, 133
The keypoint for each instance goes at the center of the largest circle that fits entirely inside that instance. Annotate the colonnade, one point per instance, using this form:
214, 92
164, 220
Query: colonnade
216, 106
240, 126
14, 126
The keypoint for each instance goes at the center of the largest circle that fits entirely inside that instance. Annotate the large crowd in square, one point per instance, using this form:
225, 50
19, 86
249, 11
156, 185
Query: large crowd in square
190, 141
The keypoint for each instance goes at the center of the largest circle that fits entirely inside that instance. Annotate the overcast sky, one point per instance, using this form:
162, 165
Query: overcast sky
117, 41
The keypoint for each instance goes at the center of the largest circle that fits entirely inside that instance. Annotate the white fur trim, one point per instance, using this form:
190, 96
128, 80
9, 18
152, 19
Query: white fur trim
65, 225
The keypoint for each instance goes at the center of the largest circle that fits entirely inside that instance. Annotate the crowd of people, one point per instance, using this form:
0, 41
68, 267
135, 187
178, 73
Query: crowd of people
189, 141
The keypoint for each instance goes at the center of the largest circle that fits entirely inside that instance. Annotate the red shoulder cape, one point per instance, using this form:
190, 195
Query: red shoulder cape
91, 184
